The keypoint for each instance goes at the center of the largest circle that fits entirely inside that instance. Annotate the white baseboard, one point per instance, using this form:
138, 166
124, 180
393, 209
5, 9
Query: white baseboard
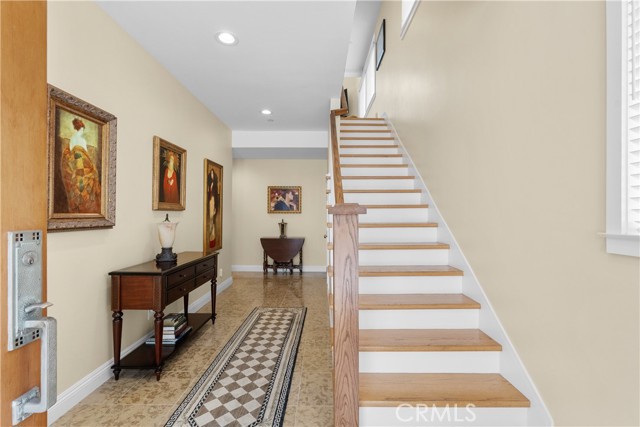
258, 268
87, 385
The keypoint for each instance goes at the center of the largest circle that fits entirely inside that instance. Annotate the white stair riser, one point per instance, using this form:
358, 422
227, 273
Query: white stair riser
399, 215
346, 142
383, 198
399, 234
410, 285
380, 184
364, 134
371, 160
362, 127
362, 122
373, 171
408, 415
393, 234
435, 362
404, 257
352, 150
419, 319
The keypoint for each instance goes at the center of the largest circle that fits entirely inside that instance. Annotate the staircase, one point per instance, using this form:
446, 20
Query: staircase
423, 359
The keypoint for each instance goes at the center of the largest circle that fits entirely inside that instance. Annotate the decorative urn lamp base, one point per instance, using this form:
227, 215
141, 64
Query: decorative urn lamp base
167, 235
167, 255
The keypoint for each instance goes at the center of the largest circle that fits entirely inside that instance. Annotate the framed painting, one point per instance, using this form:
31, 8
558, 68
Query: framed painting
380, 44
81, 141
284, 199
169, 176
212, 234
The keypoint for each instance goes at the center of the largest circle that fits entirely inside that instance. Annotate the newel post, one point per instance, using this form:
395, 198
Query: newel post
345, 313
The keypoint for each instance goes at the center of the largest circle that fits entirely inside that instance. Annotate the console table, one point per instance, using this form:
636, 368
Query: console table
282, 251
151, 286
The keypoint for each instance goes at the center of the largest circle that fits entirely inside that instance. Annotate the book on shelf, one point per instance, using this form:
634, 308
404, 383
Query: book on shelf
169, 339
174, 320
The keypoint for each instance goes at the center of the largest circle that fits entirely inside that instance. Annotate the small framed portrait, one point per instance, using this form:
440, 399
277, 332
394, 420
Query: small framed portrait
212, 207
284, 199
82, 164
169, 176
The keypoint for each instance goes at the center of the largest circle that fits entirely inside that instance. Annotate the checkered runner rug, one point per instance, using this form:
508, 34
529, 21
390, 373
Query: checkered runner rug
248, 382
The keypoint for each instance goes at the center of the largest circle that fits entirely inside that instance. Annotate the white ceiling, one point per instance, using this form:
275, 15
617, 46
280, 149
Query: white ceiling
291, 55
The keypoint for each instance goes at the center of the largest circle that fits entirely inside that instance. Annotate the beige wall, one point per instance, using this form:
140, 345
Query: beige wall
502, 107
251, 220
93, 59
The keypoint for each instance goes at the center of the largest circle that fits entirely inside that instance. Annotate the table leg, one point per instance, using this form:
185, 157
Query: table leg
265, 264
185, 301
300, 261
117, 340
158, 331
214, 291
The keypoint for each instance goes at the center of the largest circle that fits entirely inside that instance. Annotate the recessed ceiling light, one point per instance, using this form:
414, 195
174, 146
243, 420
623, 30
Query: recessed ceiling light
266, 112
227, 38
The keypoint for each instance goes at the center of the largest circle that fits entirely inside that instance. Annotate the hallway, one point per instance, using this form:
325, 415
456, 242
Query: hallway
137, 399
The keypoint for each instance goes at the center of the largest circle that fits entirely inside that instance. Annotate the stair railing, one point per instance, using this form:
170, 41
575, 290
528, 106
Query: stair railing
345, 293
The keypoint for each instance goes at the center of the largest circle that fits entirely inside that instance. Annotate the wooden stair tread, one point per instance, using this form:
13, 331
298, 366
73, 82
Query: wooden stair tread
371, 165
426, 340
380, 177
370, 155
363, 124
368, 146
416, 302
373, 119
365, 131
366, 138
481, 390
383, 191
414, 206
395, 246
404, 270
393, 224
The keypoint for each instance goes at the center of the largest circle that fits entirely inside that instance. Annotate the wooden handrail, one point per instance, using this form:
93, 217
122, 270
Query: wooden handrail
337, 176
345, 296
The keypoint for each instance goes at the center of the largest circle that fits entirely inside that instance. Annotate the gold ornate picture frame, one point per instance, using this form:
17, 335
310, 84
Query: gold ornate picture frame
212, 227
284, 199
81, 142
169, 176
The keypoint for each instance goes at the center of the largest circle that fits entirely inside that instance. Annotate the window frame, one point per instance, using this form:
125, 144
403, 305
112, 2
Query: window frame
618, 238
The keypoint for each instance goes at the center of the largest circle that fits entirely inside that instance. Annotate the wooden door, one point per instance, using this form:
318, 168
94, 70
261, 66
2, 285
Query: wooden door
23, 173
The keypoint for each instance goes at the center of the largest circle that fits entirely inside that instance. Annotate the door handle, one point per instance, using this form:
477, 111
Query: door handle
40, 399
26, 322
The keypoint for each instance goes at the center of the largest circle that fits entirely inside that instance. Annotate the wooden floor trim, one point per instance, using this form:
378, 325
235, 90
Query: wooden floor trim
405, 270
371, 165
397, 246
380, 177
393, 224
368, 146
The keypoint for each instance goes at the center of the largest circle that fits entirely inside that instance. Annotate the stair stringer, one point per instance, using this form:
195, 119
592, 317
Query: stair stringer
511, 365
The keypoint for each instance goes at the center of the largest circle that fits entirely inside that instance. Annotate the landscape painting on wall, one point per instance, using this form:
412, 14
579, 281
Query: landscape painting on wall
169, 176
212, 206
284, 199
82, 164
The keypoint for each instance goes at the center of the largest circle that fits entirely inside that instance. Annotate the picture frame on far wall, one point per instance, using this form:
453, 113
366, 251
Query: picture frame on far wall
169, 176
81, 141
284, 199
380, 44
212, 228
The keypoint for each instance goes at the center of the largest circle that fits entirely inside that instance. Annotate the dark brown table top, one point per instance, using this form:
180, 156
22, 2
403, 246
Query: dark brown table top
151, 268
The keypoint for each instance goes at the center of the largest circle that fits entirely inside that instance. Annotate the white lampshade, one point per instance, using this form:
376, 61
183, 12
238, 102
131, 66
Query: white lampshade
167, 233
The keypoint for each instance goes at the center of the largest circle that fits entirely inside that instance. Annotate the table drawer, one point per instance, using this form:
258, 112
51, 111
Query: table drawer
180, 290
203, 278
209, 264
180, 276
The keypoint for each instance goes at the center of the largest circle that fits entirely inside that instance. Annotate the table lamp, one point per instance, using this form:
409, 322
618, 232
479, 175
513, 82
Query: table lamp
167, 235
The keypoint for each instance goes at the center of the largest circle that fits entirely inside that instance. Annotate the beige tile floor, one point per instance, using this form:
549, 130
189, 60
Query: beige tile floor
137, 399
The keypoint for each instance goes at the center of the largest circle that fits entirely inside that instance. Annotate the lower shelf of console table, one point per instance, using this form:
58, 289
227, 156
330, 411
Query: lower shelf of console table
144, 356
152, 286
